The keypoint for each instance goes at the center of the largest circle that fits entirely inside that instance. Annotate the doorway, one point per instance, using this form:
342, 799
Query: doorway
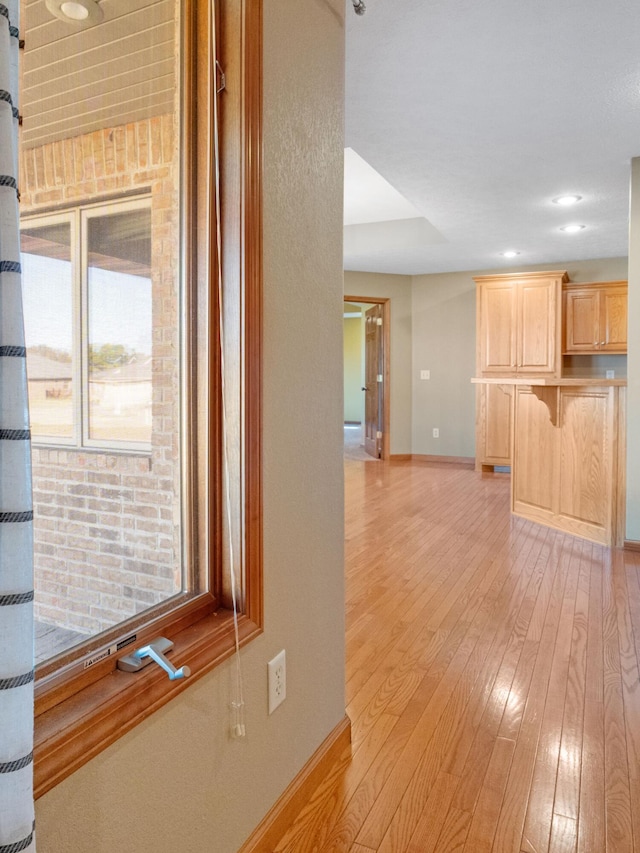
367, 376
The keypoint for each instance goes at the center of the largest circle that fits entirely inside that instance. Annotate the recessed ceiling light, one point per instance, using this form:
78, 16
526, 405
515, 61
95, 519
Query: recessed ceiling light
510, 253
567, 200
76, 11
572, 229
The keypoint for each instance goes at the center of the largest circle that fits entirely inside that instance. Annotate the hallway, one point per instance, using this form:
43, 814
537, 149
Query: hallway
492, 678
354, 444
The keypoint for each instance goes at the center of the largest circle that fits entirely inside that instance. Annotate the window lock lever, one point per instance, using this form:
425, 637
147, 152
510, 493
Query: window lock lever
153, 651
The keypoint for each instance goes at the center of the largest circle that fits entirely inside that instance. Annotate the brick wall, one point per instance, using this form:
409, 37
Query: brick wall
107, 523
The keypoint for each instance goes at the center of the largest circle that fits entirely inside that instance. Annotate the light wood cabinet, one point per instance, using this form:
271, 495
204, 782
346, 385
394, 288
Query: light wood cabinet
563, 437
496, 327
494, 425
519, 333
519, 324
568, 465
595, 317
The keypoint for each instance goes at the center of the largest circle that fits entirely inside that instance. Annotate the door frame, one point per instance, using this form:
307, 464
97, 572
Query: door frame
386, 359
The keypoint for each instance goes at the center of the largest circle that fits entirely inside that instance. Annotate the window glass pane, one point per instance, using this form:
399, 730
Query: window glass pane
100, 206
48, 317
119, 326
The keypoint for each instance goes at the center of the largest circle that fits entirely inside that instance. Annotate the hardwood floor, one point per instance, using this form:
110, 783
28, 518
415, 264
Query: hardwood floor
492, 678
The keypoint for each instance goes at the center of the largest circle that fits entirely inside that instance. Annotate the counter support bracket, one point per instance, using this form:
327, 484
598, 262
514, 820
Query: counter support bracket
549, 395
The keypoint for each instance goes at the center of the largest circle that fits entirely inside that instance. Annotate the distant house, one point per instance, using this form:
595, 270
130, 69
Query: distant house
122, 388
47, 377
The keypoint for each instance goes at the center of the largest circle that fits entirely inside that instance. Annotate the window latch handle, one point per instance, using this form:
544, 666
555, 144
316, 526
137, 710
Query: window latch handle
153, 651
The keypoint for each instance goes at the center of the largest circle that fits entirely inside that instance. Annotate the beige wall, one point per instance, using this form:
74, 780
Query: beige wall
178, 783
353, 369
444, 334
398, 289
633, 361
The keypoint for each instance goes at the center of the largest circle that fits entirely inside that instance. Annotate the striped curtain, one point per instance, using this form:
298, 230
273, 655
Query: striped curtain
16, 515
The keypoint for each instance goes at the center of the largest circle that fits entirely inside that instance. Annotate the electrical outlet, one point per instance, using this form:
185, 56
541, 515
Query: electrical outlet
425, 374
436, 432
277, 669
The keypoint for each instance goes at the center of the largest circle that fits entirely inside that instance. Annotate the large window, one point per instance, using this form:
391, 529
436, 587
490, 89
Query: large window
87, 286
123, 283
108, 527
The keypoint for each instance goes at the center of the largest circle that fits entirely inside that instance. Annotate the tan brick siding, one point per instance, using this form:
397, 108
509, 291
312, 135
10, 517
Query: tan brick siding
107, 531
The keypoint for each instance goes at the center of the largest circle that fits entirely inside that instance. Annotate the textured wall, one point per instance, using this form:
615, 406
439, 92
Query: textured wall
444, 341
633, 365
178, 783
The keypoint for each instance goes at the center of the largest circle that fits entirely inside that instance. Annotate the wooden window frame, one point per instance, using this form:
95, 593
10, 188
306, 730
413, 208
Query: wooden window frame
80, 711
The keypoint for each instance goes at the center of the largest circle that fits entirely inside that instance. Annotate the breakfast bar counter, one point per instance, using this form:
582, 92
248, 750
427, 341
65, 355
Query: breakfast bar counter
568, 452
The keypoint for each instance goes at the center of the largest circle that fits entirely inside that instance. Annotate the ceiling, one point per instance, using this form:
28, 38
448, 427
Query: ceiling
463, 120
479, 114
79, 78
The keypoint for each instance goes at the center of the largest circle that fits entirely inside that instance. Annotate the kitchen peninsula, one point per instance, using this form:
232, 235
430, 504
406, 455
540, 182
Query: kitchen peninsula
563, 436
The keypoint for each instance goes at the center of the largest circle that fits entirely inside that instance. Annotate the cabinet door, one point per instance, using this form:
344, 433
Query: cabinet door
582, 326
497, 327
537, 326
587, 458
534, 473
613, 320
567, 452
497, 415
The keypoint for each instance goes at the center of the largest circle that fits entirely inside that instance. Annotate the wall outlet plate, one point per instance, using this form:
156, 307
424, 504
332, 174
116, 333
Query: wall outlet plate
277, 680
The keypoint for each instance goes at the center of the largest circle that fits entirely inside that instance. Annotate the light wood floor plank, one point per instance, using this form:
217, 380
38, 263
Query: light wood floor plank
539, 818
629, 670
493, 678
617, 795
563, 834
487, 812
317, 818
454, 832
512, 816
567, 799
591, 827
482, 723
497, 605
384, 808
425, 836
346, 827
631, 563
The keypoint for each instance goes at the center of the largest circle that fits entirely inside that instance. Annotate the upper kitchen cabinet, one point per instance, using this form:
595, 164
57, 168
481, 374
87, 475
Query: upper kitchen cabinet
519, 323
595, 317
